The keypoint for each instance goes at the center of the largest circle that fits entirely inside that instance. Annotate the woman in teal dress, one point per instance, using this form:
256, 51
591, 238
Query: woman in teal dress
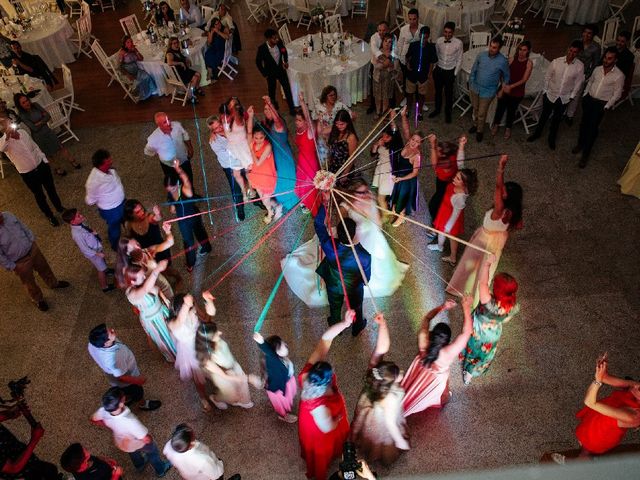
285, 165
128, 56
494, 310
143, 294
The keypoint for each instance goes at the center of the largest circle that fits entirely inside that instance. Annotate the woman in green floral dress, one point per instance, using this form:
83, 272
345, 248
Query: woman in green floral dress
495, 308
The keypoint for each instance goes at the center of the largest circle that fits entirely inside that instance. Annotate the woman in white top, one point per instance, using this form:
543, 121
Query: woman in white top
238, 137
327, 108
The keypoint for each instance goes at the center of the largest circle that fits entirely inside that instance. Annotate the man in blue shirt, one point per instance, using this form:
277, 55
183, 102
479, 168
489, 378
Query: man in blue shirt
420, 56
490, 69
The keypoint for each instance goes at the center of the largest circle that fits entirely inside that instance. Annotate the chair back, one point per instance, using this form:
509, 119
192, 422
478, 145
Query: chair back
67, 79
85, 9
130, 25
510, 6
207, 13
58, 113
301, 5
511, 42
360, 7
283, 33
610, 31
102, 57
333, 24
557, 4
84, 29
172, 76
635, 33
405, 13
479, 39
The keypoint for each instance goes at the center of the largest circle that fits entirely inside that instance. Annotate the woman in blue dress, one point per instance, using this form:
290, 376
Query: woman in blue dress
285, 165
128, 57
216, 40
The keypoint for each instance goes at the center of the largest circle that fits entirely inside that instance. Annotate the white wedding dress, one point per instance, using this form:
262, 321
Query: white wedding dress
387, 272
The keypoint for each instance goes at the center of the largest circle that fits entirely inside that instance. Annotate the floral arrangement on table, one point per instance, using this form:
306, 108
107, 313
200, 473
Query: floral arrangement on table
317, 11
324, 180
515, 25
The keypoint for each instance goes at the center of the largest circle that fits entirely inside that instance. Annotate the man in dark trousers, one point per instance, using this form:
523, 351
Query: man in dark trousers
272, 60
345, 261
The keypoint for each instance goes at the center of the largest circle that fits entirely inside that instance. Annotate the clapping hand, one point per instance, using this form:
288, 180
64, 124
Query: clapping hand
601, 367
207, 296
462, 141
162, 265
166, 226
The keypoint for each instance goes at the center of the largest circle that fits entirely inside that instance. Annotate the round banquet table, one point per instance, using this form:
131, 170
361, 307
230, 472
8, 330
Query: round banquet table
154, 59
534, 85
434, 13
50, 38
10, 85
294, 14
583, 12
311, 75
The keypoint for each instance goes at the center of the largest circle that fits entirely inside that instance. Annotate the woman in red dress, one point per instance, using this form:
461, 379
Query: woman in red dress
604, 423
308, 163
322, 419
446, 159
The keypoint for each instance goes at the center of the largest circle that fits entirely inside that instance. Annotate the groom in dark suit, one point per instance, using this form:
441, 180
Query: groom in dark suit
328, 270
272, 60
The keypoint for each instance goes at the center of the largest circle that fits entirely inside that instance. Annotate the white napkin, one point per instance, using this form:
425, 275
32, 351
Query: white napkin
338, 69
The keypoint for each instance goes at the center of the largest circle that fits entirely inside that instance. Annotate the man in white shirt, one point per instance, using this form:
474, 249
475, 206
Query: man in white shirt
192, 459
129, 434
375, 44
32, 165
223, 15
603, 90
409, 33
104, 189
170, 141
562, 83
449, 50
190, 14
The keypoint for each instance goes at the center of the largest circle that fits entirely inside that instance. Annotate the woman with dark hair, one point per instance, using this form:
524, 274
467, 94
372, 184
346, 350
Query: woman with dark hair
308, 162
174, 58
153, 310
511, 94
145, 228
386, 151
235, 122
450, 218
220, 366
285, 166
216, 40
495, 308
326, 111
164, 14
323, 426
385, 69
378, 428
128, 58
36, 118
505, 216
446, 159
278, 374
263, 176
404, 199
426, 382
342, 142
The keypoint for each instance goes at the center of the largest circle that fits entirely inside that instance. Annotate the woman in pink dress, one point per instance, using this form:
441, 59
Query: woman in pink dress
426, 383
308, 163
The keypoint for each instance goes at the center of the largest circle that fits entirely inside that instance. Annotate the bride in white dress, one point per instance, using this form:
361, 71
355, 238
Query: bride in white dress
387, 272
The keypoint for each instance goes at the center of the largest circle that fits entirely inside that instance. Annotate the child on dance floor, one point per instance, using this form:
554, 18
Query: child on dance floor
280, 379
263, 175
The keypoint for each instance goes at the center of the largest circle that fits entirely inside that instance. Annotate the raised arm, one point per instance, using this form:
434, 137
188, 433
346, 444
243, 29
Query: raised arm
462, 141
383, 342
404, 125
498, 193
433, 143
467, 327
168, 240
483, 280
311, 132
149, 282
209, 306
277, 119
423, 333
184, 178
322, 349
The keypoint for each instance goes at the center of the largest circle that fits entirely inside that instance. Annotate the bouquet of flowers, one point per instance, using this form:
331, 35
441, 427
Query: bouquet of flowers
324, 180
317, 11
515, 25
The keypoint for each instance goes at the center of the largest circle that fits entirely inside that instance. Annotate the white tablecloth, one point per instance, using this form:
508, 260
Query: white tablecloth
311, 75
586, 11
294, 14
434, 13
9, 86
154, 59
534, 85
51, 40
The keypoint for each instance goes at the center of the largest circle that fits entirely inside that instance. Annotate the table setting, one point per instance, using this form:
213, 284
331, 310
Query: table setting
435, 13
322, 59
34, 88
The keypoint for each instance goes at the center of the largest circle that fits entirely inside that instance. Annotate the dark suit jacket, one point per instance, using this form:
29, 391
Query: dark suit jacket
328, 268
265, 62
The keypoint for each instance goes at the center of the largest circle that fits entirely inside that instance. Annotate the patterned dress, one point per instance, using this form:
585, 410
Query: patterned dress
285, 168
153, 318
339, 154
483, 344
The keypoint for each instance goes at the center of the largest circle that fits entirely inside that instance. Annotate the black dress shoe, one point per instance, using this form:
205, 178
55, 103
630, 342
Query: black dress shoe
434, 114
552, 144
479, 136
108, 289
576, 149
357, 329
240, 215
583, 162
54, 222
150, 405
42, 306
533, 137
62, 284
473, 129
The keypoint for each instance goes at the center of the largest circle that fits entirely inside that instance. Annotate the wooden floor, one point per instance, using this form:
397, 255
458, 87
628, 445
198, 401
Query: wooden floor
105, 106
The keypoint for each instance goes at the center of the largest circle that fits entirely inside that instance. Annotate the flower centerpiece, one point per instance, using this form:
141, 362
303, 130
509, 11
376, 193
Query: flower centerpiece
515, 25
324, 180
317, 11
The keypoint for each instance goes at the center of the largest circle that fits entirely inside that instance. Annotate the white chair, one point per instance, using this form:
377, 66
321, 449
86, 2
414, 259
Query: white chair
67, 93
60, 119
180, 90
360, 7
454, 14
335, 10
130, 25
535, 7
125, 82
401, 18
279, 12
479, 39
227, 69
304, 9
283, 33
102, 57
333, 24
610, 32
463, 101
256, 9
554, 12
480, 26
75, 7
528, 112
104, 4
499, 21
617, 6
511, 42
635, 33
207, 13
83, 37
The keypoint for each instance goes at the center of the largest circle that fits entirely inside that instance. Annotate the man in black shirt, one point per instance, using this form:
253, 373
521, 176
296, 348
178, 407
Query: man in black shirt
625, 60
32, 65
78, 461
